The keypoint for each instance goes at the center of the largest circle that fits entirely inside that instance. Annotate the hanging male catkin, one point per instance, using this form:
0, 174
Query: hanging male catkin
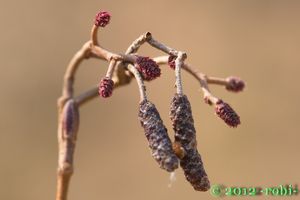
185, 138
156, 133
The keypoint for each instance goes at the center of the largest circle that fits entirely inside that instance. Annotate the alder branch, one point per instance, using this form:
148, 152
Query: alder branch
161, 60
122, 68
67, 135
68, 90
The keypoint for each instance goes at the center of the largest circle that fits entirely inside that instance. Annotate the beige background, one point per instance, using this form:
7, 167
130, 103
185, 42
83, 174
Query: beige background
258, 40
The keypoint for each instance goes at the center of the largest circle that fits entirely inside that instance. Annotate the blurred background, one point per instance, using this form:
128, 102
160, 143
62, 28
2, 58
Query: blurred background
257, 40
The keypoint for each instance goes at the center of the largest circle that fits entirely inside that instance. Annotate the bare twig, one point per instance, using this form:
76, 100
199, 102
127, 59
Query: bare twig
216, 80
139, 80
67, 135
179, 63
69, 77
135, 45
94, 35
111, 68
202, 78
158, 45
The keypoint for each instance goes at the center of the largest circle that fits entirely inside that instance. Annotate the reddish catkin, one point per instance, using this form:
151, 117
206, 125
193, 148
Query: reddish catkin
185, 136
227, 114
102, 18
148, 68
157, 136
106, 87
235, 84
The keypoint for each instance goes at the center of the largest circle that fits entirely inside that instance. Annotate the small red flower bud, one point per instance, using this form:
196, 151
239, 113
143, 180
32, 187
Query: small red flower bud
227, 114
106, 87
235, 84
171, 61
148, 68
102, 18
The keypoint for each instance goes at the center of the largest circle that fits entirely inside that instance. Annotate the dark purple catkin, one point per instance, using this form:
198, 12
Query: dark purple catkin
105, 88
157, 136
171, 61
235, 84
185, 136
102, 18
148, 68
227, 114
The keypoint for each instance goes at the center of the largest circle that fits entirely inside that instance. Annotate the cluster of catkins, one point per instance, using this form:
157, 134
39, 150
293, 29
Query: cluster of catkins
183, 150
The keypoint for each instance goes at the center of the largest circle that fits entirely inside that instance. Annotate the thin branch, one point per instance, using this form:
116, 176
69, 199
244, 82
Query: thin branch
68, 90
111, 68
158, 45
120, 77
94, 35
202, 78
93, 93
135, 45
179, 63
139, 80
67, 135
217, 81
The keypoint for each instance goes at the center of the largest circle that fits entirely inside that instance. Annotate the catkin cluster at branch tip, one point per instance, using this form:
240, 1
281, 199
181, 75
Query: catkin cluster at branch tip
157, 136
185, 137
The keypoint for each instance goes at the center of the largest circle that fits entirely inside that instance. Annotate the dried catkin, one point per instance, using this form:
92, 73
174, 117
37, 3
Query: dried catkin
185, 136
157, 136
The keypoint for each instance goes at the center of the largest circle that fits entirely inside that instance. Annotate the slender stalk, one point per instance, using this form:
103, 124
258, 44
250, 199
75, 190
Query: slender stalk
111, 68
179, 63
135, 45
94, 35
67, 136
217, 80
139, 80
69, 77
158, 45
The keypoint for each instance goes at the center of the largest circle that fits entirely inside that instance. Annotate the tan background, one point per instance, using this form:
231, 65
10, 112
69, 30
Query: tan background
258, 40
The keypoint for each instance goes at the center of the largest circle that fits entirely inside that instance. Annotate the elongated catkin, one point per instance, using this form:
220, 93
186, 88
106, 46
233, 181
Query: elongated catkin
185, 137
157, 136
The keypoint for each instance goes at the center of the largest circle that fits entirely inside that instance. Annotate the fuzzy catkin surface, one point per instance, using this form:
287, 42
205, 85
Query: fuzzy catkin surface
157, 136
185, 135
